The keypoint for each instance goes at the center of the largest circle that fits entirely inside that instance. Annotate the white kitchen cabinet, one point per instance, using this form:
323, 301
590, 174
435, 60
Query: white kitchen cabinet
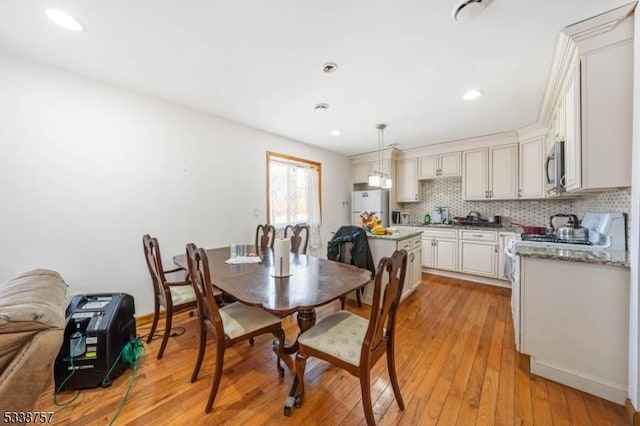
531, 155
441, 165
490, 173
598, 96
361, 171
575, 324
440, 249
478, 252
475, 174
407, 178
381, 247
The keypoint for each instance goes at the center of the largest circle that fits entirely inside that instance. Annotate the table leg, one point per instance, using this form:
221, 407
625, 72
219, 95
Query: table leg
306, 319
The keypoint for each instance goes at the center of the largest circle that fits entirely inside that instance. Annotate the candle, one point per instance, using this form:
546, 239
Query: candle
281, 252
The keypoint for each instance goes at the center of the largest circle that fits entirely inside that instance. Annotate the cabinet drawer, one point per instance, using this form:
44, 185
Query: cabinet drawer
410, 243
430, 233
479, 235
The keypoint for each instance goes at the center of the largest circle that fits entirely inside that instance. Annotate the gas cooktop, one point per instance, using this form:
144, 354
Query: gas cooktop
552, 239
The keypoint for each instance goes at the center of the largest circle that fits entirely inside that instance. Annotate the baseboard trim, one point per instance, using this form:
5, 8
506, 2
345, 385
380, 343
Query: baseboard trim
145, 319
589, 384
632, 415
467, 277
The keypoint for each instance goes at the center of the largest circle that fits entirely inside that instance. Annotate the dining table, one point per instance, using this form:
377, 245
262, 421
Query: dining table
312, 282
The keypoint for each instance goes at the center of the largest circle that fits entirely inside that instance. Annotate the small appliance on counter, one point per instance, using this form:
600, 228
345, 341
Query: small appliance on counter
404, 218
395, 217
440, 215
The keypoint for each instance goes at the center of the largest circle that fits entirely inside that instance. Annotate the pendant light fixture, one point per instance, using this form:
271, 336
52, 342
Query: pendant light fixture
379, 178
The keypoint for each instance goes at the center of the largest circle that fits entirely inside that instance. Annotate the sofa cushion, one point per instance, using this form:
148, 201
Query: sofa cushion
35, 296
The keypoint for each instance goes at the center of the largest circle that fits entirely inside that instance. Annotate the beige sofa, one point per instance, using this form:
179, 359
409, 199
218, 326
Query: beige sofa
32, 318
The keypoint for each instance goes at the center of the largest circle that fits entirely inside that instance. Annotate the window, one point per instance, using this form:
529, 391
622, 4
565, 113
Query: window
293, 194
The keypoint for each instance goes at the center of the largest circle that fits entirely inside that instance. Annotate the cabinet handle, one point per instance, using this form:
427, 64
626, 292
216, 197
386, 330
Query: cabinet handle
478, 235
520, 193
413, 256
486, 194
490, 194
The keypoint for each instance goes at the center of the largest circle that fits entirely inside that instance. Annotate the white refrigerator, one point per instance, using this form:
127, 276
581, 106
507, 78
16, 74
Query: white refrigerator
376, 201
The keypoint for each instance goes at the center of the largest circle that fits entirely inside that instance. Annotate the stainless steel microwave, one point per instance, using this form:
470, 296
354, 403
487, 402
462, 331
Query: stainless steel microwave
554, 169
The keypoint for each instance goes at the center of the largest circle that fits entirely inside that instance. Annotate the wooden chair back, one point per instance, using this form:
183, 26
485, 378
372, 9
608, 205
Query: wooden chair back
198, 264
386, 299
156, 270
299, 237
265, 236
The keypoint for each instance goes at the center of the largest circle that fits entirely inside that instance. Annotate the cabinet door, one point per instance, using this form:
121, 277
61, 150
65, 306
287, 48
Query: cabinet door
415, 266
572, 151
429, 167
446, 255
407, 181
427, 253
531, 161
478, 258
450, 165
475, 172
360, 172
503, 172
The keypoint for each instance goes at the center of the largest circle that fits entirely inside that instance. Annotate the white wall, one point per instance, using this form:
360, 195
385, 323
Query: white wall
634, 240
86, 169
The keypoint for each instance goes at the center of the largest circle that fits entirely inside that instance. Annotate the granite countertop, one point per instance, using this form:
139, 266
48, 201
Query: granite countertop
396, 236
499, 228
603, 257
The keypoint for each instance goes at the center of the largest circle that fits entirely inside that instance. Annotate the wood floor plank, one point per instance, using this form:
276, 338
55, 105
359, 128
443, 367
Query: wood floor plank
455, 359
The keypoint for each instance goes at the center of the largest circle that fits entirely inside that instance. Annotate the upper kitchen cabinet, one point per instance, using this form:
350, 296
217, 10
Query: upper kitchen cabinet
530, 168
490, 173
361, 171
593, 93
441, 165
407, 181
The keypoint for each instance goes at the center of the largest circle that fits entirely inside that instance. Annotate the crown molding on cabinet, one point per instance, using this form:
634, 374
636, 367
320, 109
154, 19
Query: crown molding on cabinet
578, 37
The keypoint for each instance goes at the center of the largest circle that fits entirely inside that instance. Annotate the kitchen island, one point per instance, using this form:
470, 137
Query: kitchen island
385, 245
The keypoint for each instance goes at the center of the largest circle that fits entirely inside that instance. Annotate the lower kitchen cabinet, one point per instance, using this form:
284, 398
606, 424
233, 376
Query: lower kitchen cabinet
478, 252
381, 247
575, 324
440, 249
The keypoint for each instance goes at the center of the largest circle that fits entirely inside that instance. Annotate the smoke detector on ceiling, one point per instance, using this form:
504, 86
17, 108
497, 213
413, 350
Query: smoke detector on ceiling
467, 9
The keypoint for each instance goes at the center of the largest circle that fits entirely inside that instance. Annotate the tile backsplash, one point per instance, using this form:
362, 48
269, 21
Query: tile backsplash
447, 192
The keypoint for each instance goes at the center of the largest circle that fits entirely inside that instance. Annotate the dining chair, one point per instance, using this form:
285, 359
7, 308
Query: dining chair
299, 237
355, 343
229, 324
265, 236
171, 295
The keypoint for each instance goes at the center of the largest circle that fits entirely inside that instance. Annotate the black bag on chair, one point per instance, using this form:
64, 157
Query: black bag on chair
360, 252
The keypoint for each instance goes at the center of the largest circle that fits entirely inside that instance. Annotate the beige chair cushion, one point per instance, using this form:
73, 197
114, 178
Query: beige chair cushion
239, 319
339, 335
182, 294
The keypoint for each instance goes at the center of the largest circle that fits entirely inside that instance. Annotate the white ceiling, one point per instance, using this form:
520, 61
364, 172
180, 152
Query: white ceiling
257, 62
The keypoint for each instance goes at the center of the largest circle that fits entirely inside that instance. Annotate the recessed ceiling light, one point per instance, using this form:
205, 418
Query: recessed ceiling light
321, 107
335, 133
329, 67
464, 10
64, 20
472, 94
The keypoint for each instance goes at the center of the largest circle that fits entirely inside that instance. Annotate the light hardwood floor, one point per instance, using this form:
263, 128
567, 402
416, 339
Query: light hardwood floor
455, 358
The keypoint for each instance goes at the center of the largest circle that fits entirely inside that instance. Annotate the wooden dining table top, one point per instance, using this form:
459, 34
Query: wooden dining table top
313, 281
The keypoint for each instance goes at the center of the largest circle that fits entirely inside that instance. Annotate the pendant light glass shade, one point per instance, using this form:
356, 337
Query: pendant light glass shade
378, 178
